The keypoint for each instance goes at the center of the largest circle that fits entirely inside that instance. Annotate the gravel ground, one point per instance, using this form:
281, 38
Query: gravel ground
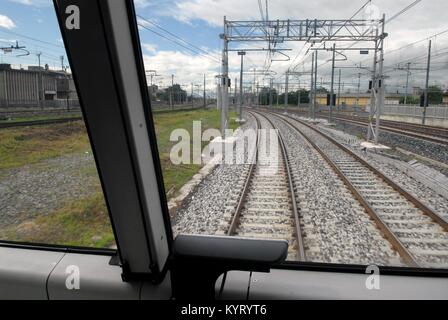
413, 226
427, 196
425, 148
202, 211
336, 229
41, 188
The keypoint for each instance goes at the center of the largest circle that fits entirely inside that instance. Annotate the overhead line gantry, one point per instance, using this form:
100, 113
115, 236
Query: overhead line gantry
311, 31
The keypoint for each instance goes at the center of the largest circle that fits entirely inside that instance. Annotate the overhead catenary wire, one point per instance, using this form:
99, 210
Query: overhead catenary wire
31, 38
403, 11
175, 36
179, 44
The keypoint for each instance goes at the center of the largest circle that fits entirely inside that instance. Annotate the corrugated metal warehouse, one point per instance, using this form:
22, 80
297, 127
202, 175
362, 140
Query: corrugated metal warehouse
33, 87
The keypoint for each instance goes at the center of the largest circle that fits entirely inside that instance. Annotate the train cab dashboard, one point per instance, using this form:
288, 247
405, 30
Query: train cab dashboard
149, 260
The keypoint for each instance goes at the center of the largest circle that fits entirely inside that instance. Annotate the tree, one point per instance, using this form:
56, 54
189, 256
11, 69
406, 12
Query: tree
179, 95
410, 100
293, 96
435, 95
321, 90
264, 95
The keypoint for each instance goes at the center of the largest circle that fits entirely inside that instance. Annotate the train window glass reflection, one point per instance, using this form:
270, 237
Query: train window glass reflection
320, 173
50, 191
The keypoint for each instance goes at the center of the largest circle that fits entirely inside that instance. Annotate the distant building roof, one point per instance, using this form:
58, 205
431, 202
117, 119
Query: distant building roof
35, 68
7, 67
361, 95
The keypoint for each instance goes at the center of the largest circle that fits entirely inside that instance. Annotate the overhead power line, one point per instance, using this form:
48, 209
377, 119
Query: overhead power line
183, 42
31, 38
179, 44
394, 16
403, 11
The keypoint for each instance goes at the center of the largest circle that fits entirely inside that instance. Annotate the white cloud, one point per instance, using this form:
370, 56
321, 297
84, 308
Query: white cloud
187, 68
6, 22
424, 19
149, 47
427, 18
7, 40
34, 3
142, 3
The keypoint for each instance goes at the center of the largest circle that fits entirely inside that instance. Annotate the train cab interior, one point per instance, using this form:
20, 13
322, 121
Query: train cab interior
147, 258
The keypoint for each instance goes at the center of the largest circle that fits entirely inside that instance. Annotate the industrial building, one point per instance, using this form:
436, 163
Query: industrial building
34, 87
361, 100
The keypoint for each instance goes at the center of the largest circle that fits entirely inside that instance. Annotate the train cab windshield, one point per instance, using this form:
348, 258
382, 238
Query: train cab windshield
126, 125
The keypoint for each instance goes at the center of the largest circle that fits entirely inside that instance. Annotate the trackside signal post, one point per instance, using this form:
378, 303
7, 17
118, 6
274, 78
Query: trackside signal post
240, 102
225, 81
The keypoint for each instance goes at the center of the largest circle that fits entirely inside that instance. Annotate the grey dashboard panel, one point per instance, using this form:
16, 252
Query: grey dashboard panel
24, 273
293, 284
157, 292
236, 285
97, 279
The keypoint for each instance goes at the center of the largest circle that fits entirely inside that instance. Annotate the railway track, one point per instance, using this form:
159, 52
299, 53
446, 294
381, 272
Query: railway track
266, 207
413, 127
417, 233
37, 122
427, 133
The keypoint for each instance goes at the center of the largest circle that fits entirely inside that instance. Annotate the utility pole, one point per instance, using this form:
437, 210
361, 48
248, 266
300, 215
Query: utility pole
380, 101
171, 92
225, 83
278, 90
40, 84
311, 95
219, 95
427, 84
240, 104
258, 95
408, 73
192, 100
339, 91
359, 89
66, 78
270, 93
205, 101
315, 86
254, 89
407, 82
286, 91
235, 94
373, 93
332, 84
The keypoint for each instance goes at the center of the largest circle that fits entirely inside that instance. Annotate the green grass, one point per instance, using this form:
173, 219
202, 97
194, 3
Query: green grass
37, 118
85, 222
28, 145
175, 176
82, 222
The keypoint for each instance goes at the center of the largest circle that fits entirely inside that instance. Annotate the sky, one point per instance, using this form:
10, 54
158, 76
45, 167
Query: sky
199, 22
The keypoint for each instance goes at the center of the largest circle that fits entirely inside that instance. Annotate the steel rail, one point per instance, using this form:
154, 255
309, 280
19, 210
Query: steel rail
236, 217
434, 216
246, 189
404, 131
387, 232
299, 233
37, 122
424, 132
